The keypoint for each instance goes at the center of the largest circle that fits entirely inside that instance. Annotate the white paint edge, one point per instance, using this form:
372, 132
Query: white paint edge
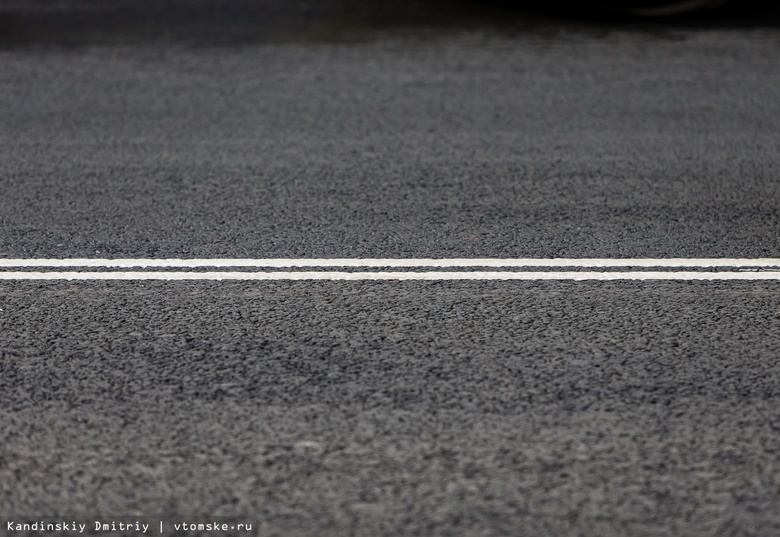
388, 263
431, 276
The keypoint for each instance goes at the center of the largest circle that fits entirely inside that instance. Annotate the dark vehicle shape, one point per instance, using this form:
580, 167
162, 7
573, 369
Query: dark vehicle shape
656, 8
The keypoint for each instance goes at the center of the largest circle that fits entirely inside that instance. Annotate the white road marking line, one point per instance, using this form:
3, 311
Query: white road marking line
388, 263
440, 276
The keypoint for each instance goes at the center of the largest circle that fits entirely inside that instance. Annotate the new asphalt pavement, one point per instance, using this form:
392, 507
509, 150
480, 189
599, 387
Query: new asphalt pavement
403, 130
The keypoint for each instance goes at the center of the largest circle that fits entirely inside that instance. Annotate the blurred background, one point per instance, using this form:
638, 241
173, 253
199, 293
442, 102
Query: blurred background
278, 21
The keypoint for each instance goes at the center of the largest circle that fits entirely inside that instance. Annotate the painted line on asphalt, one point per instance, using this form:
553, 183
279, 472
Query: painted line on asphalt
397, 263
377, 275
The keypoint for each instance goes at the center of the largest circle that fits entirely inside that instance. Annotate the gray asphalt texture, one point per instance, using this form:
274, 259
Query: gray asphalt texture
392, 408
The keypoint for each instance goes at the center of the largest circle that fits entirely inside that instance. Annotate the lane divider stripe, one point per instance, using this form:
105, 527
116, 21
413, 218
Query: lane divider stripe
390, 263
440, 276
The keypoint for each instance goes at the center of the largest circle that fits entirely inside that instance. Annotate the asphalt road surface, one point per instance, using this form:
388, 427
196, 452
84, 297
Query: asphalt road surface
415, 130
